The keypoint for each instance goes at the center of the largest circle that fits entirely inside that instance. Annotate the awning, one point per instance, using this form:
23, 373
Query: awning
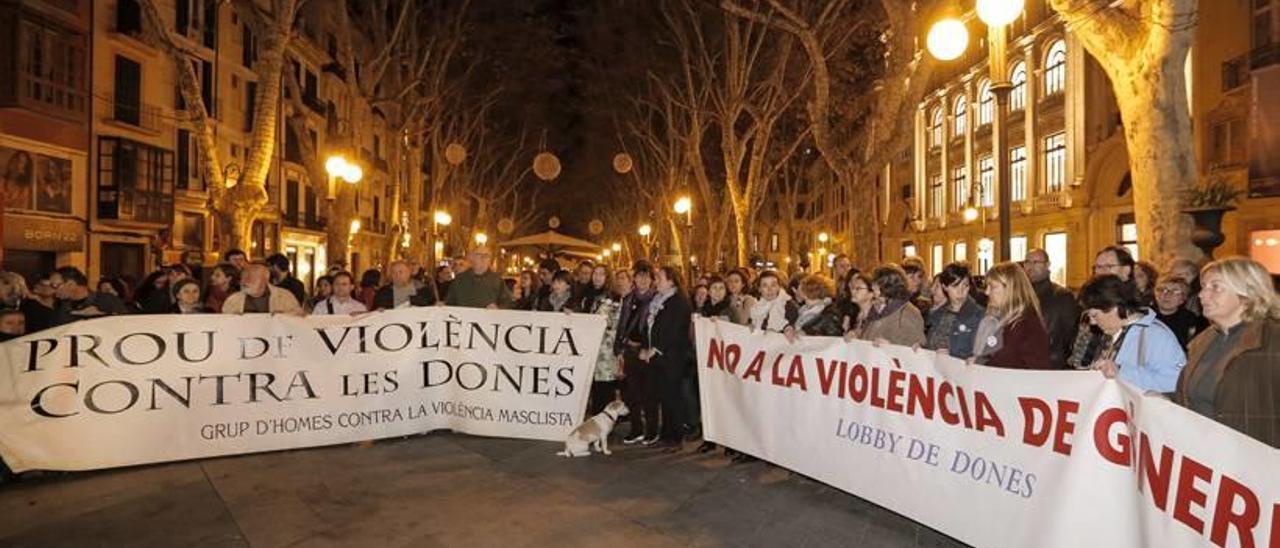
553, 242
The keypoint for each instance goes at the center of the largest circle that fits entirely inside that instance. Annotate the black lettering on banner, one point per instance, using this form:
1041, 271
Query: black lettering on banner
91, 397
507, 338
155, 339
378, 339
37, 403
182, 347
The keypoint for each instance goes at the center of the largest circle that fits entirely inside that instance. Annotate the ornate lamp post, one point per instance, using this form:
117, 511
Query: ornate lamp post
947, 40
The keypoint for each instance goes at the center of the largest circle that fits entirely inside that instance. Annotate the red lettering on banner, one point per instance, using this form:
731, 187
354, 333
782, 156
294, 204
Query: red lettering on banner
877, 399
1225, 514
722, 356
987, 414
858, 384
1036, 418
948, 416
775, 376
921, 395
964, 408
795, 376
1157, 476
1116, 454
896, 390
827, 373
1065, 426
1275, 526
753, 368
1188, 494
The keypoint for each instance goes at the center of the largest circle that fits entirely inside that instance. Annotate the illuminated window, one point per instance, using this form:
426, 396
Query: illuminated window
938, 263
960, 252
1055, 69
937, 196
960, 187
1055, 245
1055, 161
960, 114
986, 103
1017, 248
986, 255
935, 127
1018, 96
908, 250
1265, 248
987, 181
1127, 233
1018, 173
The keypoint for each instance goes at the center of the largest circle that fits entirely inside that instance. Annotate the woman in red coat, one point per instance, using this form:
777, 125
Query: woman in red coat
1012, 334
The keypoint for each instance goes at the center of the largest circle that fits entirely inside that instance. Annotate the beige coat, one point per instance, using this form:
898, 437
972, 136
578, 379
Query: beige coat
280, 302
904, 327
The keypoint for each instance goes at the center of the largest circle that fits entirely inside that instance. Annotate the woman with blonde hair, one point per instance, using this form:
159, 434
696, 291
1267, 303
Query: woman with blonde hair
1233, 367
1012, 334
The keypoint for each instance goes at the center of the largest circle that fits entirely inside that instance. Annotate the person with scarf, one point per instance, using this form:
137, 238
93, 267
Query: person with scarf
952, 325
1012, 335
627, 344
717, 303
775, 310
668, 352
561, 294
893, 319
817, 314
597, 289
604, 382
861, 300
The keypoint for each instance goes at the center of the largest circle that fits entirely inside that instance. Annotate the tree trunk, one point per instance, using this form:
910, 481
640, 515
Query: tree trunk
239, 226
741, 229
1157, 127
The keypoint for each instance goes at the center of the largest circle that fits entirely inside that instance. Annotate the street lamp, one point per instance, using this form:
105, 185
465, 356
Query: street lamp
645, 232
684, 206
482, 238
441, 218
997, 14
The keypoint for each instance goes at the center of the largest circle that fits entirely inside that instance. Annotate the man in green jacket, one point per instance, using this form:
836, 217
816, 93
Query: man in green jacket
479, 287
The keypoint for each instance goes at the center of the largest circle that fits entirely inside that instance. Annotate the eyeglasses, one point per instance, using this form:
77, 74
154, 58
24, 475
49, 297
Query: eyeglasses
1170, 291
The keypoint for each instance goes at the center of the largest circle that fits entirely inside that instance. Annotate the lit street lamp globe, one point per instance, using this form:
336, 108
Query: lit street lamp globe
443, 219
646, 230
352, 174
622, 163
336, 166
482, 238
947, 39
506, 225
617, 247
553, 222
683, 205
998, 12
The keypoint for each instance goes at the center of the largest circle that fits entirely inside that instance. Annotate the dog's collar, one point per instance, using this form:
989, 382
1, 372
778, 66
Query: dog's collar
611, 417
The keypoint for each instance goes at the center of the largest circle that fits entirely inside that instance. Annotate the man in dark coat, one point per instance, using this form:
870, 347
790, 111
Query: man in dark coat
1058, 307
282, 278
402, 291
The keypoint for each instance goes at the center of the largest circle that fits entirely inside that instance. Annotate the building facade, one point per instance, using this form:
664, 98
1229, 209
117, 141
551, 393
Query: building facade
45, 105
103, 166
1068, 165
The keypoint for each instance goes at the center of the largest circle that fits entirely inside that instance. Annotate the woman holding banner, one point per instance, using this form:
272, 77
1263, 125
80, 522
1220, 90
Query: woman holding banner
893, 319
1012, 334
668, 351
1233, 368
1140, 349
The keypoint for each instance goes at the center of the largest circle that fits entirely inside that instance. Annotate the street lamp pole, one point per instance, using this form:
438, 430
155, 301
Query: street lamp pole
997, 38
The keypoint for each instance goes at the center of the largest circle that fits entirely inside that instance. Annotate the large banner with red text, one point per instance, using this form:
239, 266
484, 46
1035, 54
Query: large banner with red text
139, 389
992, 457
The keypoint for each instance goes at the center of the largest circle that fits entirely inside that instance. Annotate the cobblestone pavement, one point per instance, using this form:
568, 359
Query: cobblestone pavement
447, 490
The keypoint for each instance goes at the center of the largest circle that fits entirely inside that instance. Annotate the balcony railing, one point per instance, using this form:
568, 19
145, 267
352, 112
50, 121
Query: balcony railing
1265, 56
140, 115
314, 103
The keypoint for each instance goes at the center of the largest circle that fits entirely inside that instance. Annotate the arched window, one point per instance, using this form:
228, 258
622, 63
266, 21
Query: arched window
960, 115
1055, 68
986, 103
1018, 77
935, 127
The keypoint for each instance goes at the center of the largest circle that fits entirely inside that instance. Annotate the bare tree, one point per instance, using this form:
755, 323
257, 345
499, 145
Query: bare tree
824, 30
1143, 45
235, 203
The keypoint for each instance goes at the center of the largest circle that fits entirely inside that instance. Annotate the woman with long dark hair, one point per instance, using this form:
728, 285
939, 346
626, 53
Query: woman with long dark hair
224, 281
528, 288
668, 351
952, 325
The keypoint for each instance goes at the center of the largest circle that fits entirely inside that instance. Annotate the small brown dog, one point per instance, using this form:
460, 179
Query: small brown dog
594, 431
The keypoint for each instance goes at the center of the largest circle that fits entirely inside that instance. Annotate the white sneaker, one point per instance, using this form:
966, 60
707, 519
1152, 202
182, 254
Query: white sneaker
633, 439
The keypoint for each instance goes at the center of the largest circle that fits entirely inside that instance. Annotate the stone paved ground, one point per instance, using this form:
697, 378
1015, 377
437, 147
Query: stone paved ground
447, 490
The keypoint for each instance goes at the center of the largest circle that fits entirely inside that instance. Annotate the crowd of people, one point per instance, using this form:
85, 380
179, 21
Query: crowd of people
1206, 337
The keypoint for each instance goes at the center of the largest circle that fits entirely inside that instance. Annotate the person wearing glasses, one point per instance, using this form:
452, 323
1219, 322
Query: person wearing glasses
1171, 308
1057, 304
1233, 368
1139, 349
1087, 348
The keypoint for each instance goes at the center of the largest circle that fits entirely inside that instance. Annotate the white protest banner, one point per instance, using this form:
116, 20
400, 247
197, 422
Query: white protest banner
138, 389
992, 457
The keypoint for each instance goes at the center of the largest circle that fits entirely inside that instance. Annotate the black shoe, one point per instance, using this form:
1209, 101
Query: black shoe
632, 440
706, 447
650, 441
